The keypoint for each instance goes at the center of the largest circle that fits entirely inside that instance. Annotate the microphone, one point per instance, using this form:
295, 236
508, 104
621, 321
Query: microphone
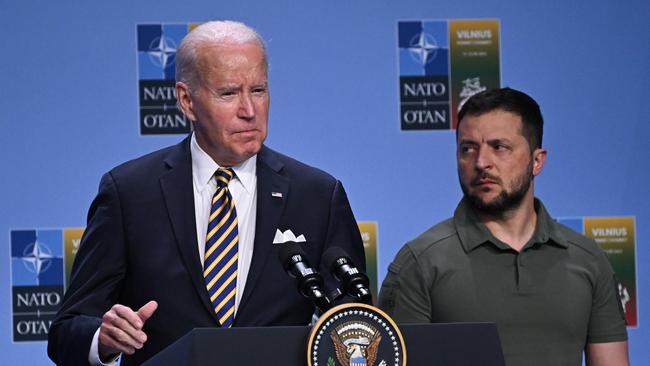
310, 283
355, 283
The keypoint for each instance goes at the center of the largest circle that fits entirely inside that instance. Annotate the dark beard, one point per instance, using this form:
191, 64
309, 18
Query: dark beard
506, 200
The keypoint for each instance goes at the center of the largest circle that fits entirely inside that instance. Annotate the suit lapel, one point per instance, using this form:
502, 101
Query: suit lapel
270, 185
178, 192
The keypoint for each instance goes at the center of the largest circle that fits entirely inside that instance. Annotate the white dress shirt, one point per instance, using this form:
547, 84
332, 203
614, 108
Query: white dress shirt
243, 188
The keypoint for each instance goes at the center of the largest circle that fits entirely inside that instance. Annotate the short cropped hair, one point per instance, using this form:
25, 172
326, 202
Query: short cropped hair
509, 100
214, 32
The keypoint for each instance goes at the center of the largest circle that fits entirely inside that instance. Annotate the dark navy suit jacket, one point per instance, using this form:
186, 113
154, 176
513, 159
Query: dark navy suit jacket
140, 244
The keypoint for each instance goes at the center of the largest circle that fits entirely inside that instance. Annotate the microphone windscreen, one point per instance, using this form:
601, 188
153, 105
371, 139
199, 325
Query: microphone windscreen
332, 254
288, 250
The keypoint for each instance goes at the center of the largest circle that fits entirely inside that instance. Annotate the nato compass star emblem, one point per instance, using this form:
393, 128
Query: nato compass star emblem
423, 48
161, 51
37, 257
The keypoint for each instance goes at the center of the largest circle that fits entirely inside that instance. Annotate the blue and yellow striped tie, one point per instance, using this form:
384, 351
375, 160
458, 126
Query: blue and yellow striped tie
221, 250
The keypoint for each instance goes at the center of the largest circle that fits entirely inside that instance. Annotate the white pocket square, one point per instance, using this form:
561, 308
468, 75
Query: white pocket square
283, 237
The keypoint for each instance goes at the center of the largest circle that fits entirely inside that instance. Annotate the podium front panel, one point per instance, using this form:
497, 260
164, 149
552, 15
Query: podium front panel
453, 344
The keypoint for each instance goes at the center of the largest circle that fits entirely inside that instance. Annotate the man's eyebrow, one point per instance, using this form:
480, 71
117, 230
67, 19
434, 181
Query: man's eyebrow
226, 88
500, 140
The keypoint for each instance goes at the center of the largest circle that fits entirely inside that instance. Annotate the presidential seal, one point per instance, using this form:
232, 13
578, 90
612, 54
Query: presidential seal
355, 335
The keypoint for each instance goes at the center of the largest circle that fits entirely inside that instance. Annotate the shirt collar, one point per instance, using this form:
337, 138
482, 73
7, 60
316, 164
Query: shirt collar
203, 168
547, 229
473, 233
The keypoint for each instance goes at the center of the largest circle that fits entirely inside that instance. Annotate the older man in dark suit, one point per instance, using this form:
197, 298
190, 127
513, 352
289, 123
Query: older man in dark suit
184, 237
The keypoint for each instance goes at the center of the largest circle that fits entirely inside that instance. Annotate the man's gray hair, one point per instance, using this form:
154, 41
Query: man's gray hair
214, 32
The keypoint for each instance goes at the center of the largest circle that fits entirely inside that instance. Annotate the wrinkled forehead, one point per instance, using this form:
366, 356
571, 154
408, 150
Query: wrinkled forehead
232, 60
493, 124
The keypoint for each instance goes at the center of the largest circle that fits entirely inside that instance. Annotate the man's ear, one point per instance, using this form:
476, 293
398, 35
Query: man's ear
539, 158
184, 98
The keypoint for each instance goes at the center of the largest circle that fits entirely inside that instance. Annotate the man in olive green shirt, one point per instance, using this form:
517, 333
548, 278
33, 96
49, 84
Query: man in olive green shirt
502, 258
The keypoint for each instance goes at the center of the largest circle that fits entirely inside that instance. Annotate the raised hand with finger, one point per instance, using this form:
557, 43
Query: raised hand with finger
121, 330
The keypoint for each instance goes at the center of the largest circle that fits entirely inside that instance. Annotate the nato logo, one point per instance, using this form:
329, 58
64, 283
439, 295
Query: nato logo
37, 276
424, 75
157, 45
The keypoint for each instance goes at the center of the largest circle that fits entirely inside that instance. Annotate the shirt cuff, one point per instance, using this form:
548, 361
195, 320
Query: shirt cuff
93, 354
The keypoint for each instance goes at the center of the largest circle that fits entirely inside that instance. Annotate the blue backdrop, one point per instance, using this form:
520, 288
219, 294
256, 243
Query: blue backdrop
69, 111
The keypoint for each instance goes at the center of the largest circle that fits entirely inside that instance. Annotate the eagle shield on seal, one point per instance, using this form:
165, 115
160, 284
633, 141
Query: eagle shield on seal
356, 343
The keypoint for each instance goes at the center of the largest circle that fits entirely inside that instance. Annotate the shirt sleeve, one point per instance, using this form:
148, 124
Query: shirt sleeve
607, 321
93, 354
404, 294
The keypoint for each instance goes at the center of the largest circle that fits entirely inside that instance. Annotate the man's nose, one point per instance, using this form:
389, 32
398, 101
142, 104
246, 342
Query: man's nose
246, 106
484, 159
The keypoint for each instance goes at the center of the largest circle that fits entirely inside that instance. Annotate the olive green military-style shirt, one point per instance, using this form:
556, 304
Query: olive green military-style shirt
548, 301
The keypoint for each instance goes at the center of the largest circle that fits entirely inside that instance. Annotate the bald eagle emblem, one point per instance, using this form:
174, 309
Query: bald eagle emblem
356, 343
